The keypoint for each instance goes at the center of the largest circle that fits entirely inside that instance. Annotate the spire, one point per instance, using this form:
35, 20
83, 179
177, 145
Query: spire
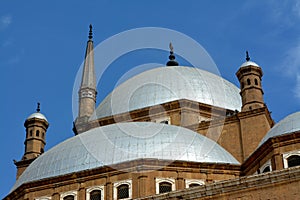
247, 56
88, 75
38, 109
87, 92
172, 61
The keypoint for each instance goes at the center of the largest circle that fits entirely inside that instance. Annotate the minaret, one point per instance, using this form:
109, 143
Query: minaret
36, 127
249, 76
87, 92
172, 61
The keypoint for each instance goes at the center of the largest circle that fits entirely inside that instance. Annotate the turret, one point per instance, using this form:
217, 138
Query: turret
36, 127
249, 75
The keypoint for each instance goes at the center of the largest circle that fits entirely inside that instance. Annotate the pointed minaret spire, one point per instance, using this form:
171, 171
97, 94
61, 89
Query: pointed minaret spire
247, 56
87, 92
88, 75
172, 61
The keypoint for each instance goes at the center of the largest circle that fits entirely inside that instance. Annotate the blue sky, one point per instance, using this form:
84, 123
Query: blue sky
42, 45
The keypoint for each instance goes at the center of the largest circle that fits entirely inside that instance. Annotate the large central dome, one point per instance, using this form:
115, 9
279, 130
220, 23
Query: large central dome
165, 84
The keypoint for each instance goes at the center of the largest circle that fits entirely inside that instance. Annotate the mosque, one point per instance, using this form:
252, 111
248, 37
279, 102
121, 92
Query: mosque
172, 132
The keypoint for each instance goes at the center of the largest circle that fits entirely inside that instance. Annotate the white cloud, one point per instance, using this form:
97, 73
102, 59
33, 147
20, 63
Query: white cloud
296, 9
284, 12
291, 66
5, 21
292, 60
297, 88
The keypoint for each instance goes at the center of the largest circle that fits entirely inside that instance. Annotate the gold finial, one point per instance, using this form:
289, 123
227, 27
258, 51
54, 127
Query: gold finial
247, 56
171, 46
38, 109
172, 61
91, 32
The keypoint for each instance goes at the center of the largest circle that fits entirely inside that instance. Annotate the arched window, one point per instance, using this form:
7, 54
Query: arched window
30, 132
165, 187
242, 85
123, 191
266, 169
248, 81
43, 135
164, 122
43, 198
37, 133
69, 197
194, 185
193, 182
293, 160
95, 195
255, 82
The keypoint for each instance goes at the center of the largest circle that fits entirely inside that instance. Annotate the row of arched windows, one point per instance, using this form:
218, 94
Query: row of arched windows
248, 82
37, 133
292, 160
123, 191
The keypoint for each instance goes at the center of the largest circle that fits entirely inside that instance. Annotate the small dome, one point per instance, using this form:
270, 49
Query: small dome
289, 124
166, 84
37, 115
248, 63
117, 143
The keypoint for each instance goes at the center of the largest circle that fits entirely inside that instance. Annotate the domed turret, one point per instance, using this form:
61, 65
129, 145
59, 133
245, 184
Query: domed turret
36, 126
249, 75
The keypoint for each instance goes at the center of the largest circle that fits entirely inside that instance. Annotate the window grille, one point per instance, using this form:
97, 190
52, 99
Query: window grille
123, 191
194, 185
293, 161
165, 187
69, 197
164, 122
95, 195
266, 169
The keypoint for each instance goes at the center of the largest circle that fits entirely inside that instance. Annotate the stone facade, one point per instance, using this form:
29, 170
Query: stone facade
283, 184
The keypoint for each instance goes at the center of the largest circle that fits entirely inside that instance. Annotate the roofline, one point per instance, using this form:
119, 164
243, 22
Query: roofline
267, 147
124, 167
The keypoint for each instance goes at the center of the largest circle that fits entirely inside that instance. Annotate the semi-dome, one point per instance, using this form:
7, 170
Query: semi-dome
165, 84
289, 124
37, 115
117, 143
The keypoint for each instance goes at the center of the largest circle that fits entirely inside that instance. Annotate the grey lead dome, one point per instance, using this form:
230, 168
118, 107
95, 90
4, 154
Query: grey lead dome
117, 143
165, 84
289, 124
37, 115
